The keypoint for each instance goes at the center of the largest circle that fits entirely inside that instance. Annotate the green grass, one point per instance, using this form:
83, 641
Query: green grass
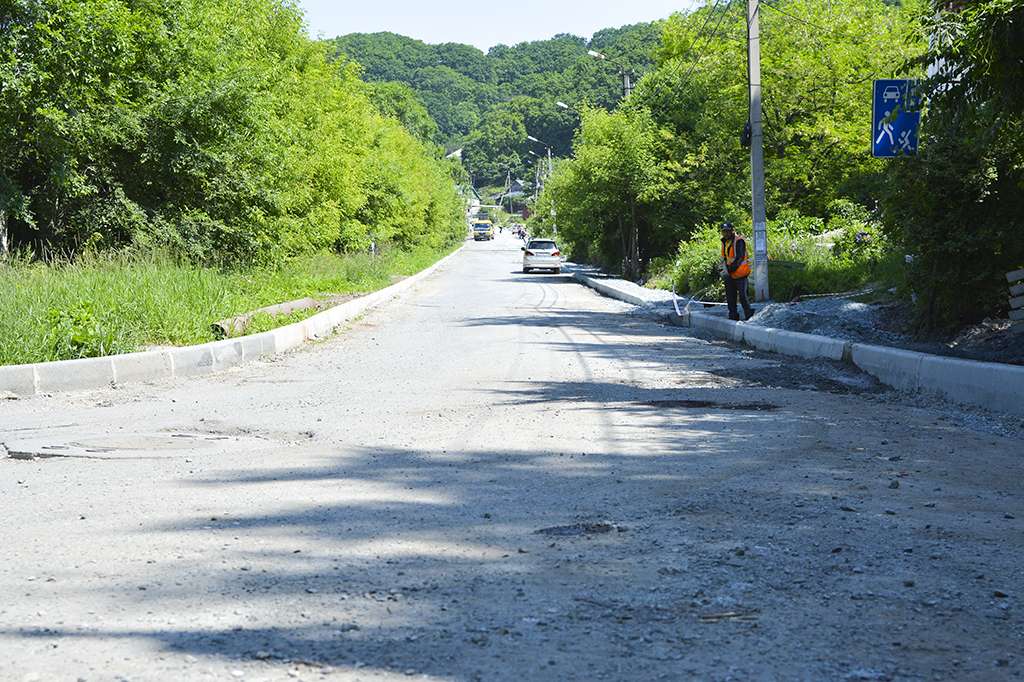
799, 265
102, 305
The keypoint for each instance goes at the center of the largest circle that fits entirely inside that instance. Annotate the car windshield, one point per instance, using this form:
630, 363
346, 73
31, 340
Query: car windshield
541, 246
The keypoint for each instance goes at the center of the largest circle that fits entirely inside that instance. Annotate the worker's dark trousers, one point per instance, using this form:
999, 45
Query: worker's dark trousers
737, 288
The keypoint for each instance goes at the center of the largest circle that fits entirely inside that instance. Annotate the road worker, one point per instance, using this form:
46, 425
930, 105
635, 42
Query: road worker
735, 269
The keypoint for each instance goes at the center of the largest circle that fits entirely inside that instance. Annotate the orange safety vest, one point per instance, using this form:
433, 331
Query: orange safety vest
729, 257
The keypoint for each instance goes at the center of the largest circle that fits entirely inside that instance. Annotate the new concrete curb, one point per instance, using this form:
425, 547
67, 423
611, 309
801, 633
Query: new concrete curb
991, 385
186, 361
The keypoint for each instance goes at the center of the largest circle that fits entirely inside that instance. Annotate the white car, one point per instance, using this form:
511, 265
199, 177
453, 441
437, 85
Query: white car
541, 254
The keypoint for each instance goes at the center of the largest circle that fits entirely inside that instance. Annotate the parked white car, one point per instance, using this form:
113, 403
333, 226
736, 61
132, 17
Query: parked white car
542, 254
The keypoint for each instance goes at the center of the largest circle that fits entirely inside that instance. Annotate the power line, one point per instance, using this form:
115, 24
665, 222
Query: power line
711, 38
660, 87
793, 16
710, 14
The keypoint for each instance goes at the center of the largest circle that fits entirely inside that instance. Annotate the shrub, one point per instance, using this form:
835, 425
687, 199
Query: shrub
800, 262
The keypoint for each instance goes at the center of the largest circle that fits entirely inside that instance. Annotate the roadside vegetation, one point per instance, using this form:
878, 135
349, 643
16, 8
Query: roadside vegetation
101, 304
214, 133
647, 182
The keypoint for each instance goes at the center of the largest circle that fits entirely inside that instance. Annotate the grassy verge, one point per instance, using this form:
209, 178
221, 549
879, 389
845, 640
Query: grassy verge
103, 305
801, 261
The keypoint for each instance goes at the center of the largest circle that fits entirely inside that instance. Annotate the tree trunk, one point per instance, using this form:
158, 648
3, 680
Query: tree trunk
4, 247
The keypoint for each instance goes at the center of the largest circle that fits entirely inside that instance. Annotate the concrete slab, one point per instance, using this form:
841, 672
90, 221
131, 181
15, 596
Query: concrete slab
990, 385
727, 329
226, 354
18, 379
74, 375
257, 345
191, 360
142, 367
757, 337
808, 345
892, 366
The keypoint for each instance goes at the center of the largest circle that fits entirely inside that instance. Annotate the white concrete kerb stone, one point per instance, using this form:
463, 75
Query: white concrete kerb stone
96, 373
991, 385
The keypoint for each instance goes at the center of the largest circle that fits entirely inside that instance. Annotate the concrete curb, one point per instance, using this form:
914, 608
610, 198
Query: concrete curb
624, 291
186, 361
991, 385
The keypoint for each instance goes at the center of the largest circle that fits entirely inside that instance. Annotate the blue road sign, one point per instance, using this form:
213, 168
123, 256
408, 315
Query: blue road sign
895, 119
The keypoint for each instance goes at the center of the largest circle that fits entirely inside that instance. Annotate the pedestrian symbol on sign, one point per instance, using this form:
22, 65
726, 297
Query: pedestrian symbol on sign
886, 127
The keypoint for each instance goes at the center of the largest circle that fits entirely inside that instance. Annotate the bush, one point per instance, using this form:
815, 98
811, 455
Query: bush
801, 260
215, 128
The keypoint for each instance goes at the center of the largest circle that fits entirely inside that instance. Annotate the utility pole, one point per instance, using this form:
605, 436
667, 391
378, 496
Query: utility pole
627, 84
757, 154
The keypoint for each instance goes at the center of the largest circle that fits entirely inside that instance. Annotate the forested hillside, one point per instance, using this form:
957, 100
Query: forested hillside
487, 103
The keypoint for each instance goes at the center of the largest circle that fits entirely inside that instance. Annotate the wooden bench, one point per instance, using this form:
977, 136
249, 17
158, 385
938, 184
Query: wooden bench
1016, 280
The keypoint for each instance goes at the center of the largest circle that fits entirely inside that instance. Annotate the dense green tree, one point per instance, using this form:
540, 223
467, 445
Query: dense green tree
385, 56
816, 109
214, 127
459, 84
399, 101
958, 206
496, 147
606, 195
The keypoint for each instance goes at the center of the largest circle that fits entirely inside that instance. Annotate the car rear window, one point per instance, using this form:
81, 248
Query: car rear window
542, 246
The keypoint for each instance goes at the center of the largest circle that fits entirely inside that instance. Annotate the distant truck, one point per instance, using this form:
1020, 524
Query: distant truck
483, 230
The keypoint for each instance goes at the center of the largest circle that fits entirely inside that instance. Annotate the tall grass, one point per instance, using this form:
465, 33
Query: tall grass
801, 260
101, 305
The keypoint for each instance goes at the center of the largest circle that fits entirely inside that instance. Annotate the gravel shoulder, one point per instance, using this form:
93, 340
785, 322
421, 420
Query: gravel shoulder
884, 324
506, 477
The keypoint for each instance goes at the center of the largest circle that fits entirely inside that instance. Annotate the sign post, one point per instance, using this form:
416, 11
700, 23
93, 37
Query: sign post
896, 118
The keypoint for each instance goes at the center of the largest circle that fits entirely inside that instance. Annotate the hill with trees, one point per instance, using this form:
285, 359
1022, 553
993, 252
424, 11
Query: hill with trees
487, 103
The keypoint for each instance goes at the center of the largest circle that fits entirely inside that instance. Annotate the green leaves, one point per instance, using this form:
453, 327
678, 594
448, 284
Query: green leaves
472, 95
215, 127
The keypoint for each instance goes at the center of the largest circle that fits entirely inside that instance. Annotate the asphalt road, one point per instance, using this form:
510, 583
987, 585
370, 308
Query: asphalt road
506, 477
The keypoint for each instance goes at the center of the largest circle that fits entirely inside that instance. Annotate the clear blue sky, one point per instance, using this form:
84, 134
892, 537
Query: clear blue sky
481, 23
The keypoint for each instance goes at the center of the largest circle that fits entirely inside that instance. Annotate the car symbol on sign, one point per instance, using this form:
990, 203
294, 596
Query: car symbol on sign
891, 94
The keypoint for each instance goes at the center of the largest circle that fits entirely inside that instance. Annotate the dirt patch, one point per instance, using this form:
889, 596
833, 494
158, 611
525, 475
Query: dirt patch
887, 324
581, 529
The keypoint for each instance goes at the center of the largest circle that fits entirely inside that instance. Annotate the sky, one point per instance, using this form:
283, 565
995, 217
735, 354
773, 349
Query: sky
483, 24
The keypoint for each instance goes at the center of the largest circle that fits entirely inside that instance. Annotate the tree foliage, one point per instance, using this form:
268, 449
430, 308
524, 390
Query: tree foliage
958, 206
214, 127
694, 105
469, 92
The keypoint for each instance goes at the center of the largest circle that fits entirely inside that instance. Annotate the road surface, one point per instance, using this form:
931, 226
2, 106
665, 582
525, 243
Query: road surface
506, 477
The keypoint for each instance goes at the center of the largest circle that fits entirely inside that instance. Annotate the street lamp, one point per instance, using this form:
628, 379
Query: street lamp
531, 138
551, 171
627, 75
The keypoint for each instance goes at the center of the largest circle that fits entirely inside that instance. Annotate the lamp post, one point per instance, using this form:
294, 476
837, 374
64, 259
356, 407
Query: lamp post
551, 170
531, 138
627, 75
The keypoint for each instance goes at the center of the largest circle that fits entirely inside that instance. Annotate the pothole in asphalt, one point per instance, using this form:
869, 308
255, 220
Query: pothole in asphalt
578, 529
711, 404
120, 446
